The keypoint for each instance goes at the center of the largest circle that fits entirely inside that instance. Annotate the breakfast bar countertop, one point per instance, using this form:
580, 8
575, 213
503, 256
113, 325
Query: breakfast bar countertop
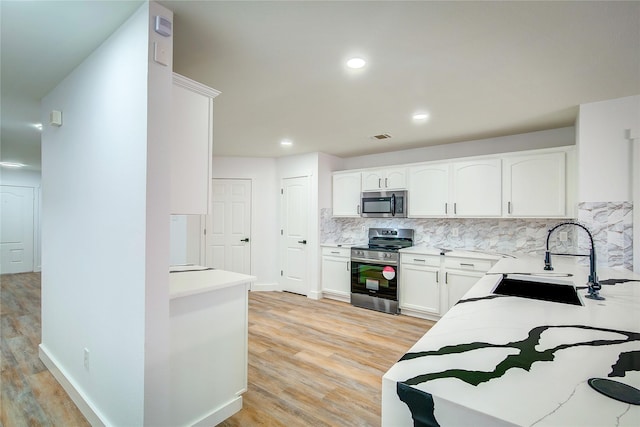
496, 360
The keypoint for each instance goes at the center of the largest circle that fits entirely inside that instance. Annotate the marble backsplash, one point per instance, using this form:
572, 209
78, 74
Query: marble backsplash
610, 223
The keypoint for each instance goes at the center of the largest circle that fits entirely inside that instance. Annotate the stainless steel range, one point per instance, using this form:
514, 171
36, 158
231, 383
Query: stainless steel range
374, 269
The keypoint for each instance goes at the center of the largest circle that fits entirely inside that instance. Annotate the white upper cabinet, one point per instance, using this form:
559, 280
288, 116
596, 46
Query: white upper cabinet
429, 190
191, 146
346, 194
384, 179
477, 188
534, 185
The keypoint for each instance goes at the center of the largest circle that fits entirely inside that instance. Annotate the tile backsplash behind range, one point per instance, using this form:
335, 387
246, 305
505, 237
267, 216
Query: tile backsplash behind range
609, 222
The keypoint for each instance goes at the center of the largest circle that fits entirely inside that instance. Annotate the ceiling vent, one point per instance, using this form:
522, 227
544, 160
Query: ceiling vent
381, 136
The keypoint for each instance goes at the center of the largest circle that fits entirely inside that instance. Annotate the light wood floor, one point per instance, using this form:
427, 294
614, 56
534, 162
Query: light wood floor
319, 363
311, 363
29, 395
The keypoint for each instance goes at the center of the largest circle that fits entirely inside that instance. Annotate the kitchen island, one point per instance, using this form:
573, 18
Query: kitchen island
496, 360
208, 315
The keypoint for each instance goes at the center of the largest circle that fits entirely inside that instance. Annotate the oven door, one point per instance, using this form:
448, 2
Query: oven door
375, 279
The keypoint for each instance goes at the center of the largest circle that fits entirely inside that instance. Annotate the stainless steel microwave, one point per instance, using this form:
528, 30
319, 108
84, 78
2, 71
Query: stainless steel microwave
384, 204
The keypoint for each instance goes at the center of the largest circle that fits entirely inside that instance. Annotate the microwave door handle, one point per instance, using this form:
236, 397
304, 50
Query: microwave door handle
393, 205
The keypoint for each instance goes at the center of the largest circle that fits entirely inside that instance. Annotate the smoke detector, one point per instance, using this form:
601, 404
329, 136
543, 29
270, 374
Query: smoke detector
381, 136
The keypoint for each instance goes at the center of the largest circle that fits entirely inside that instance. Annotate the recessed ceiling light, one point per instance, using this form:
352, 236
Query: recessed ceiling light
420, 116
286, 143
13, 165
356, 63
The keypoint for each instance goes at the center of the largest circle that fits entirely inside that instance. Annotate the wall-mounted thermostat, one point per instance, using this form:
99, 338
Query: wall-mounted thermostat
163, 26
55, 118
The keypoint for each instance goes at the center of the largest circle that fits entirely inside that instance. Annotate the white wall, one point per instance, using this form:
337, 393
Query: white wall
264, 212
604, 150
105, 228
505, 144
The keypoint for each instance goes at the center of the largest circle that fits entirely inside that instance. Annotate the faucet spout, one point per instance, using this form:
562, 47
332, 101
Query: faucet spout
593, 285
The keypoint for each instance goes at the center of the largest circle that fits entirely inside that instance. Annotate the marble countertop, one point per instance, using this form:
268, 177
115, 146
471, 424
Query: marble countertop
342, 244
498, 360
192, 280
463, 253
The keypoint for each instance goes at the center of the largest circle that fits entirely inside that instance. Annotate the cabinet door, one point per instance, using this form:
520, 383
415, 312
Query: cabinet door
458, 283
336, 277
191, 146
346, 194
535, 185
190, 151
372, 180
429, 190
395, 179
477, 188
419, 289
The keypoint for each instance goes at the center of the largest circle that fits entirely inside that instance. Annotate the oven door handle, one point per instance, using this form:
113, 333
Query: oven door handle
373, 262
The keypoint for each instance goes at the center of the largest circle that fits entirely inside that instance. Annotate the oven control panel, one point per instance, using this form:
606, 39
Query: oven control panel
374, 256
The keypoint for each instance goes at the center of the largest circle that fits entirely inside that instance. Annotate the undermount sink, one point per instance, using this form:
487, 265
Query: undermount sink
535, 288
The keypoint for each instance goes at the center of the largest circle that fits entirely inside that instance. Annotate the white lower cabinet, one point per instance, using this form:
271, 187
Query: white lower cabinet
430, 284
419, 293
336, 273
460, 274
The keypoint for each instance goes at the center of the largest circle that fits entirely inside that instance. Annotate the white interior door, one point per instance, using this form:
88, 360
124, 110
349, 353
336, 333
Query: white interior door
16, 229
295, 205
229, 230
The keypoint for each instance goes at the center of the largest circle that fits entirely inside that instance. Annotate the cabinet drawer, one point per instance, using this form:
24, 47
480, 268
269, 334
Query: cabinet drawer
469, 264
340, 252
415, 259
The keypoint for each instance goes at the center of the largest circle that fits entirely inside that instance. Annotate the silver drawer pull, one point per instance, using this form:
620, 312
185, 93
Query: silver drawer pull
437, 277
335, 252
463, 264
419, 260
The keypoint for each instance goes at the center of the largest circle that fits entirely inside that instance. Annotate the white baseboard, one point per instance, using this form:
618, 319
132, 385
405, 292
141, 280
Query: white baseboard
314, 295
338, 296
265, 287
83, 404
220, 414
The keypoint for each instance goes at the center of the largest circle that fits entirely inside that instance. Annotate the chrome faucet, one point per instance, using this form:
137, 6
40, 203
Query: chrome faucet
593, 285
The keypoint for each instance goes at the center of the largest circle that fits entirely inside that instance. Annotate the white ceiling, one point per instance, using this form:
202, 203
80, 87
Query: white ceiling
481, 69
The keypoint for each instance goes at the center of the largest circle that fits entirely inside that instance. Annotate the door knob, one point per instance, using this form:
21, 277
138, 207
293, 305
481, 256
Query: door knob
304, 242
245, 239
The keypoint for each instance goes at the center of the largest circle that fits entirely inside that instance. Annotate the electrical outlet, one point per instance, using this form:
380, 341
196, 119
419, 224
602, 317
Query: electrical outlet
454, 231
563, 236
364, 228
86, 358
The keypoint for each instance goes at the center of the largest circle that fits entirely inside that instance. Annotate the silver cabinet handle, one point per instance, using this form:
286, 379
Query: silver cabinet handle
335, 252
385, 183
419, 260
446, 208
509, 207
465, 264
358, 209
437, 277
446, 277
348, 266
455, 210
379, 182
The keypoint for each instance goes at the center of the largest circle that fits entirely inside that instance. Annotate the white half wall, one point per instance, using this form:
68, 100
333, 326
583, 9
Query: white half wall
264, 212
105, 228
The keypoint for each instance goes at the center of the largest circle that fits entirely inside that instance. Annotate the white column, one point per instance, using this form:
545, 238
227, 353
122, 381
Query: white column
632, 135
